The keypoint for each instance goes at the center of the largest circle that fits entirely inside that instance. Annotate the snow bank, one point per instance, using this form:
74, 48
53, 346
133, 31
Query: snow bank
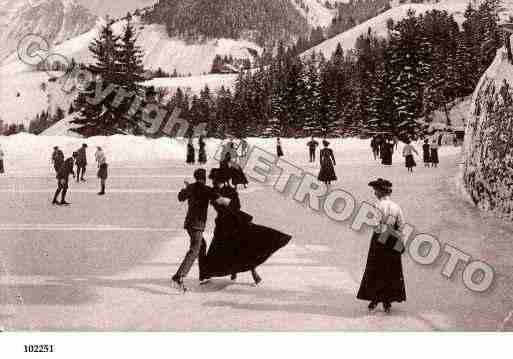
488, 172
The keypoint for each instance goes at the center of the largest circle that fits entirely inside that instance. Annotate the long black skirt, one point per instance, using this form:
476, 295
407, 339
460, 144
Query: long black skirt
202, 156
386, 156
190, 157
279, 151
327, 172
103, 171
410, 161
240, 250
383, 279
2, 170
434, 155
238, 176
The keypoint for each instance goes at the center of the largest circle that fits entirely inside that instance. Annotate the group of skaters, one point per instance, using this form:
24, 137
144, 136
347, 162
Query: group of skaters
383, 148
238, 245
239, 151
65, 167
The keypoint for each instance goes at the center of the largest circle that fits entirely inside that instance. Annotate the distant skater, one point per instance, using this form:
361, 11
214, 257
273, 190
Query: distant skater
191, 156
202, 155
2, 168
426, 155
387, 151
383, 280
408, 152
312, 147
328, 163
81, 163
279, 149
57, 158
101, 160
198, 195
244, 147
375, 147
434, 153
63, 180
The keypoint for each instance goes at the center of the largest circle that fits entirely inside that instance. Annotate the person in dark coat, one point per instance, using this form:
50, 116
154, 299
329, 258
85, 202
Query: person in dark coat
408, 151
434, 153
81, 162
279, 149
328, 163
426, 155
383, 280
63, 180
202, 155
57, 158
198, 195
191, 156
387, 152
375, 147
312, 147
238, 244
2, 169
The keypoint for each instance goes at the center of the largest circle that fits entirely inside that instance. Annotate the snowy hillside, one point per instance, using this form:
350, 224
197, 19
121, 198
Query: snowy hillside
316, 12
160, 50
378, 24
193, 84
54, 20
488, 172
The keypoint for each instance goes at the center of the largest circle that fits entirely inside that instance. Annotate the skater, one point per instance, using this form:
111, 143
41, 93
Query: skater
328, 163
2, 168
312, 147
63, 180
244, 146
434, 153
387, 151
408, 151
101, 160
238, 245
81, 162
190, 152
237, 175
375, 147
279, 149
426, 156
198, 196
57, 158
383, 279
202, 155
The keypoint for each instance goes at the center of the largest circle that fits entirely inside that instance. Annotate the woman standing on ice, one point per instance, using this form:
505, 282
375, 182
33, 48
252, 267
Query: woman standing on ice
408, 151
387, 151
383, 279
328, 163
202, 155
2, 169
279, 149
434, 152
426, 155
101, 160
191, 156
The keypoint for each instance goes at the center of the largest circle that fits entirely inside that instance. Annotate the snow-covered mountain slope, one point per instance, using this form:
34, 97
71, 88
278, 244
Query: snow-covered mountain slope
160, 50
488, 170
54, 20
194, 84
378, 24
316, 12
24, 95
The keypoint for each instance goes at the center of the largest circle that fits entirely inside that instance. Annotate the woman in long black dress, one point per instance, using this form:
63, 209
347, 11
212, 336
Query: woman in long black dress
328, 163
202, 155
279, 149
387, 152
426, 153
383, 279
238, 245
191, 157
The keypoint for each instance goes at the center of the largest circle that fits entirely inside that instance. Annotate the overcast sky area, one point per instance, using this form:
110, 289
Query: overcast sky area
114, 7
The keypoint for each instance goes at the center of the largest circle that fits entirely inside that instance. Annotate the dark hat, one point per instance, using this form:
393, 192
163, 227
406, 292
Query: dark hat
381, 184
84, 145
325, 143
56, 147
75, 154
200, 174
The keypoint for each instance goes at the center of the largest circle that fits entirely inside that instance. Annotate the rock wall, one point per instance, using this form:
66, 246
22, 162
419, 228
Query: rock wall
488, 169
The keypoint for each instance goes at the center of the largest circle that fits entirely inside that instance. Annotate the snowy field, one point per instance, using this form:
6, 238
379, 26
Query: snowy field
104, 263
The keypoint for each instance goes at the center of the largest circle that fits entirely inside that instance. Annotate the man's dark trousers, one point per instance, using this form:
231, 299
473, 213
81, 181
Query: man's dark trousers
312, 155
197, 249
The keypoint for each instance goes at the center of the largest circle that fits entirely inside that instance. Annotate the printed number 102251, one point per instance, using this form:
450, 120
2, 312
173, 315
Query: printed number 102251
41, 348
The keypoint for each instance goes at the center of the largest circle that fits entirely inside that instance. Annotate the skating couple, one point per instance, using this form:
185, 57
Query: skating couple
238, 245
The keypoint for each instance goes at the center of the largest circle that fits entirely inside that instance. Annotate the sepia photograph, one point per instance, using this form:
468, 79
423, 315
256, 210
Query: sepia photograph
261, 166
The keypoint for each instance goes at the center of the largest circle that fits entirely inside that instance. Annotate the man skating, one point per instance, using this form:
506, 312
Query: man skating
57, 158
198, 195
81, 163
312, 146
62, 181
